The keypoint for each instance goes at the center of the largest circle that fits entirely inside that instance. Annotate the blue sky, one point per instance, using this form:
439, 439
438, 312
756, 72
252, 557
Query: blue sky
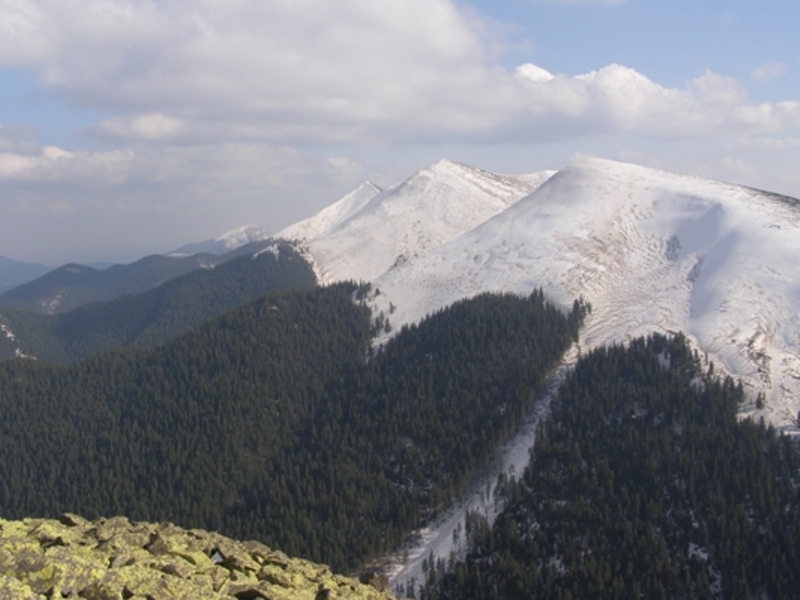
130, 127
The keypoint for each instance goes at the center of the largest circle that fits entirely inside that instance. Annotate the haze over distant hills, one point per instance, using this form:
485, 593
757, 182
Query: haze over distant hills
74, 285
16, 272
158, 314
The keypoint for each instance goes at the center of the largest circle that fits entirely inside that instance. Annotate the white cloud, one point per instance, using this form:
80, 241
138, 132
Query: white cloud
345, 169
769, 71
152, 126
737, 167
617, 99
208, 170
150, 197
767, 143
354, 71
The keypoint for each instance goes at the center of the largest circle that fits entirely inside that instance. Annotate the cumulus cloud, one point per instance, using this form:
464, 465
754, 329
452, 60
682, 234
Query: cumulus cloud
769, 71
208, 170
312, 72
617, 99
272, 66
152, 126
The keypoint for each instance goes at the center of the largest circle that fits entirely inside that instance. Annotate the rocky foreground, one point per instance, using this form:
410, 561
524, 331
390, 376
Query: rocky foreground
115, 559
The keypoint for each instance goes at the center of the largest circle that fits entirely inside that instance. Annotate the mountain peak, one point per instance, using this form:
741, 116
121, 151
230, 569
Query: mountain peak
230, 240
242, 235
652, 252
332, 215
431, 207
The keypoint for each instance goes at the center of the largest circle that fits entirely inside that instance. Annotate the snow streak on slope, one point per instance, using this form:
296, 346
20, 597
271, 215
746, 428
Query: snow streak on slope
242, 235
651, 251
432, 207
445, 537
332, 215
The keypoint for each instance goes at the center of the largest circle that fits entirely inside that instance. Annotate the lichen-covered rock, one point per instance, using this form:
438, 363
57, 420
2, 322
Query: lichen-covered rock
111, 559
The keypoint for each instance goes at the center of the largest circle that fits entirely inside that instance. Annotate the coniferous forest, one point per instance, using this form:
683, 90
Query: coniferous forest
642, 484
277, 421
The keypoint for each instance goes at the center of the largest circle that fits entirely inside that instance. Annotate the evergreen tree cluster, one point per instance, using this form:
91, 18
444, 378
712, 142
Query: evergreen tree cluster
277, 421
642, 484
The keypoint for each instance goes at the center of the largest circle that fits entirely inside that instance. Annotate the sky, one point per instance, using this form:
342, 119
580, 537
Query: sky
132, 127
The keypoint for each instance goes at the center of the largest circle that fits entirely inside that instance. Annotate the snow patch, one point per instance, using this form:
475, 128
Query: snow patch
7, 332
441, 539
334, 214
242, 235
271, 249
434, 206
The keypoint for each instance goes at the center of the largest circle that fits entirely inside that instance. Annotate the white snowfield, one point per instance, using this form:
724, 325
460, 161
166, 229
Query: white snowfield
407, 221
330, 216
651, 251
243, 235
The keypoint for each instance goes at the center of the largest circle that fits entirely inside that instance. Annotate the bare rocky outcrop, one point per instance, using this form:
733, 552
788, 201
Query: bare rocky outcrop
110, 559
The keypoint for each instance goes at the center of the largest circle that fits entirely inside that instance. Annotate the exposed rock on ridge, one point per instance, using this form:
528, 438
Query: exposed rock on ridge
113, 558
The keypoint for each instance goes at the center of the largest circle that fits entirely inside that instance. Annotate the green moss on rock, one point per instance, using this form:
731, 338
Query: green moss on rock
111, 559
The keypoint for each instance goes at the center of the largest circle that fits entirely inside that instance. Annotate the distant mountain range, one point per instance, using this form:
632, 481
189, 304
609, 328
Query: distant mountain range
74, 285
15, 272
157, 315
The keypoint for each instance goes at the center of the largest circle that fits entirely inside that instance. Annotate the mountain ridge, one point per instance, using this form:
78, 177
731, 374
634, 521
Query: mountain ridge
429, 208
16, 272
651, 251
230, 240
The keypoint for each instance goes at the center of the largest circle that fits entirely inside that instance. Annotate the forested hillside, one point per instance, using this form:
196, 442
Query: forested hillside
642, 484
156, 316
276, 421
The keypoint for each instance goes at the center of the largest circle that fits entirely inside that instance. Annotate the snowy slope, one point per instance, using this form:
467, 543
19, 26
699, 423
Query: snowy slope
651, 251
427, 210
332, 215
228, 241
243, 235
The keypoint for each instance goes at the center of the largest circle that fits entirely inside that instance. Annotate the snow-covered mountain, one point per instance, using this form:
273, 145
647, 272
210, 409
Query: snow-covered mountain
406, 221
651, 251
228, 241
331, 216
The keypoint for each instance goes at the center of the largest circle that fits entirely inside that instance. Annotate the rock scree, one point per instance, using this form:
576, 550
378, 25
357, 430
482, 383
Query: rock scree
110, 559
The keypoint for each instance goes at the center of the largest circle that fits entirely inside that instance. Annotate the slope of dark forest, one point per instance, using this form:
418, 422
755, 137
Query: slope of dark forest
643, 483
270, 423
